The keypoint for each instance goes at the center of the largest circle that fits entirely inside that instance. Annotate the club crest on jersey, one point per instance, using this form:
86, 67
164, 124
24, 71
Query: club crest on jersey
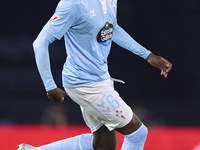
105, 34
53, 18
119, 114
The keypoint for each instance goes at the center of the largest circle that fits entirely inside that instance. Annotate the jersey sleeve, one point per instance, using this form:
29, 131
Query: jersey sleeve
40, 47
123, 39
63, 18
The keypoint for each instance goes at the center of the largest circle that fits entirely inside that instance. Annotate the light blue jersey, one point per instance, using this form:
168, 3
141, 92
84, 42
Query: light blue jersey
88, 27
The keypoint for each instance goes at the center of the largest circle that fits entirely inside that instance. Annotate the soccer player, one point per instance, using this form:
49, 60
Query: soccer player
89, 27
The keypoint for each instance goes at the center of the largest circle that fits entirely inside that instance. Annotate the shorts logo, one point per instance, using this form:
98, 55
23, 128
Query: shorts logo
53, 18
105, 34
113, 104
119, 113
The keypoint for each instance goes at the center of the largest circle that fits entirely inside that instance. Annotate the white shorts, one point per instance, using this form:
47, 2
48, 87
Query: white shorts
101, 105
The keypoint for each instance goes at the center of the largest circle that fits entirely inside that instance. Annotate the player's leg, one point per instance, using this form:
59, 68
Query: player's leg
135, 134
104, 139
94, 117
80, 142
122, 119
101, 104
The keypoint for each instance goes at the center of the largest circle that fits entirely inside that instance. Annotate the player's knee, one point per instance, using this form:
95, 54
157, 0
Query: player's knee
135, 140
139, 135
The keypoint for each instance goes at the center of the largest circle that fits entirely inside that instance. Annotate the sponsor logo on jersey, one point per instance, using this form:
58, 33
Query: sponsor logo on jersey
53, 18
105, 34
92, 13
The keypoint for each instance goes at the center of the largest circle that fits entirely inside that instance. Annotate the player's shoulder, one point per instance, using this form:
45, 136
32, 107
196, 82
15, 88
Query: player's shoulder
69, 3
72, 2
67, 6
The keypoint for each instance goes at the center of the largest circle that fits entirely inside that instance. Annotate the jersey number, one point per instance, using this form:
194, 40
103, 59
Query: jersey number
112, 102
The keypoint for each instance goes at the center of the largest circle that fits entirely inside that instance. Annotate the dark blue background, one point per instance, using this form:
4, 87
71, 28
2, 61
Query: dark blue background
167, 28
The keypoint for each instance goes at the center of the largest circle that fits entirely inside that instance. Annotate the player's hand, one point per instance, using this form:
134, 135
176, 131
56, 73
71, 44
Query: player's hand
161, 63
56, 95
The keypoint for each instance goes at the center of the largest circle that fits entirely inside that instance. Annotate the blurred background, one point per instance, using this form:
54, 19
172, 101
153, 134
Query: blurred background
167, 28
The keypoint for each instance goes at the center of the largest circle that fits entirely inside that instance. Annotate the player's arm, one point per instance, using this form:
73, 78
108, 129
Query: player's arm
63, 18
157, 61
123, 39
41, 49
